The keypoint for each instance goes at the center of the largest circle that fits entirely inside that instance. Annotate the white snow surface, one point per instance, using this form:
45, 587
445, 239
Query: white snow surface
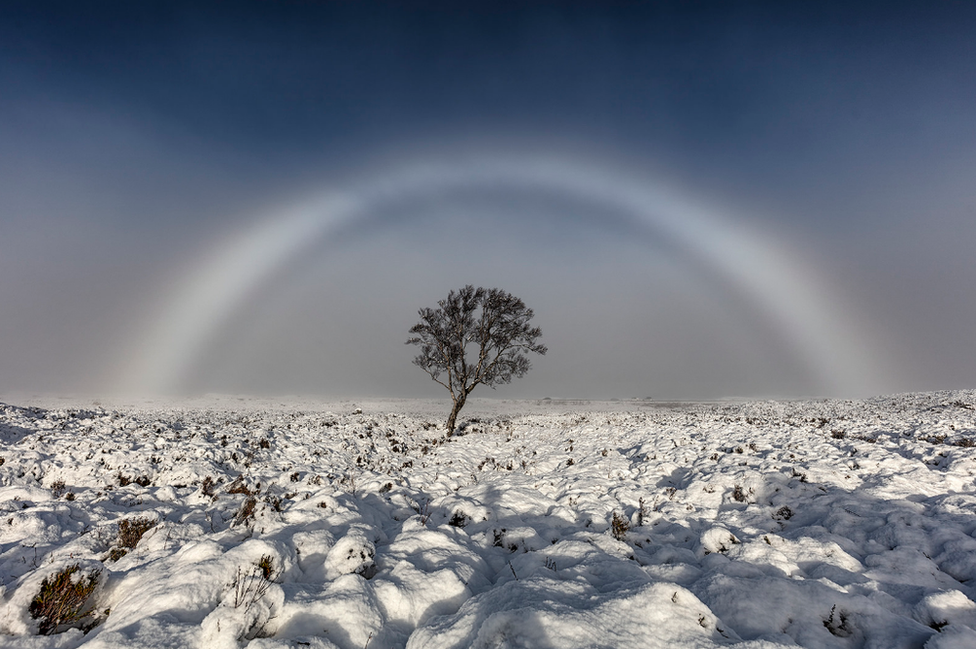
546, 524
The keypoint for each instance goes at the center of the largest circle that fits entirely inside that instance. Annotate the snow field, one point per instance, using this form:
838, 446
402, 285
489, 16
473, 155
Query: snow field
272, 525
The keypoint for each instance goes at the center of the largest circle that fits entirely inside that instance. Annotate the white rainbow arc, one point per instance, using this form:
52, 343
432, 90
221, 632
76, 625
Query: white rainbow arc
787, 294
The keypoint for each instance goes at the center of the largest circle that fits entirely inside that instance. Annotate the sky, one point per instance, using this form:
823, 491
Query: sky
698, 200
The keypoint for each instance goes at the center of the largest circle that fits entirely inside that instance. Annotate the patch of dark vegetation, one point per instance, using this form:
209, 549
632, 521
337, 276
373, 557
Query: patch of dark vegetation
63, 599
58, 488
266, 566
246, 512
619, 526
208, 486
238, 486
837, 623
458, 519
131, 532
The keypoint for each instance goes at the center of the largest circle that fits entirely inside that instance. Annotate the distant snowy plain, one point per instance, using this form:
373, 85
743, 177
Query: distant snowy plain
287, 523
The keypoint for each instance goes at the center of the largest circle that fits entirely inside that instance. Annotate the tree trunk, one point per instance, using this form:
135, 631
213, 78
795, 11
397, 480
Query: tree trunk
458, 404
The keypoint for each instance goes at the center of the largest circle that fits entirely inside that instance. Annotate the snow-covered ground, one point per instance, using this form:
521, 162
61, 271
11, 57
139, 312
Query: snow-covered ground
273, 524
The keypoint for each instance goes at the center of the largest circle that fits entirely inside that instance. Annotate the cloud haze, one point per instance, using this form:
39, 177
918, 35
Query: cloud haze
141, 142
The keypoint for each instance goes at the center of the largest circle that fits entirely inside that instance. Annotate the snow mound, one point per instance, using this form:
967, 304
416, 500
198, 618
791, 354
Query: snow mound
553, 613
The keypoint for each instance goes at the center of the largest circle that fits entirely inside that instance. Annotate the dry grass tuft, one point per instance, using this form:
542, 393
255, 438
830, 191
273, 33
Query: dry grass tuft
238, 486
130, 533
619, 526
266, 565
58, 488
246, 512
63, 598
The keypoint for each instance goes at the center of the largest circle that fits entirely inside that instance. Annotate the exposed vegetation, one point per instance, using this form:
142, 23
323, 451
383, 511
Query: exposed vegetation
63, 598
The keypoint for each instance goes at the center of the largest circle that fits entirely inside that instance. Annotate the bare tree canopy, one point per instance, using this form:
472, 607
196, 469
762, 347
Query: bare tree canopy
475, 336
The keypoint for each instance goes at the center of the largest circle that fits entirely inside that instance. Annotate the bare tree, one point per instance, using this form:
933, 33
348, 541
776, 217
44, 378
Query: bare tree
494, 323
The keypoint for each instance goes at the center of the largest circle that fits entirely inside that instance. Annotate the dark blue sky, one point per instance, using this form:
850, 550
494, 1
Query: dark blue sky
798, 83
136, 135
